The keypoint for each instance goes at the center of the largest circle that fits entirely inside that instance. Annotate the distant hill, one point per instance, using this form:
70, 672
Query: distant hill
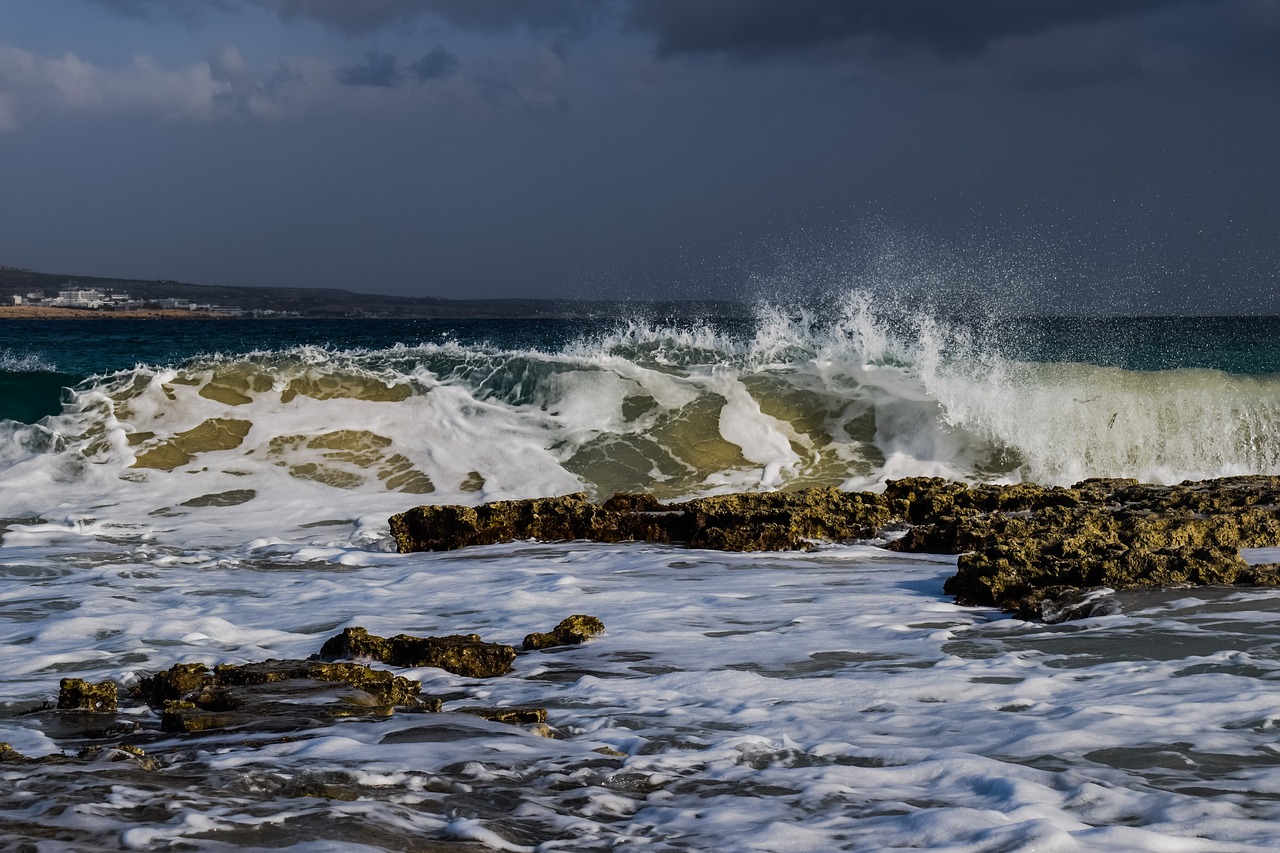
332, 303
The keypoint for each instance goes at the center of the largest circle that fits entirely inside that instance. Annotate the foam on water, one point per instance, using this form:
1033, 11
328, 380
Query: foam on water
823, 701
231, 508
848, 400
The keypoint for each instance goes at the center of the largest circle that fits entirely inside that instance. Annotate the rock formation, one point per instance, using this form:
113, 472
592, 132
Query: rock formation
461, 654
1023, 547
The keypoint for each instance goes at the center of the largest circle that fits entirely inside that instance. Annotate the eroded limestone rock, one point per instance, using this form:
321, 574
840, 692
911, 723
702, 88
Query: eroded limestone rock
9, 755
1022, 547
766, 521
512, 716
571, 631
276, 695
1032, 553
462, 654
76, 694
124, 752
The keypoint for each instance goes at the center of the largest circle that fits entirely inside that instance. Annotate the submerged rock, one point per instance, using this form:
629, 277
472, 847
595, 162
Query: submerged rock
462, 654
124, 752
512, 716
571, 631
9, 755
276, 695
1023, 547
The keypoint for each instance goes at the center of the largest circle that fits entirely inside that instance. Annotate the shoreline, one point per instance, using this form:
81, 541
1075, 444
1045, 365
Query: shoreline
40, 312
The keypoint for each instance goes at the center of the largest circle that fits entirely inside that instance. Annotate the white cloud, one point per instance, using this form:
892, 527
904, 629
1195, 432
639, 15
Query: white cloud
226, 86
33, 87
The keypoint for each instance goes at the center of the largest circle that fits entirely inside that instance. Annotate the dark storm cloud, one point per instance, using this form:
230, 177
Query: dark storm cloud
435, 65
365, 16
756, 28
382, 70
191, 11
378, 69
1033, 41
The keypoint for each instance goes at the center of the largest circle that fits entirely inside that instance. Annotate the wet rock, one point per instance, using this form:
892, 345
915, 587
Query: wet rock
1021, 546
462, 654
175, 682
124, 752
1064, 603
385, 687
571, 631
78, 725
9, 755
76, 694
277, 695
440, 528
777, 521
512, 716
746, 522
1106, 533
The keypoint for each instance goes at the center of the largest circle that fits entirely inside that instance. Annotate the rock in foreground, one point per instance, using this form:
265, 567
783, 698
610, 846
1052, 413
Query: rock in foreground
570, 632
276, 695
462, 654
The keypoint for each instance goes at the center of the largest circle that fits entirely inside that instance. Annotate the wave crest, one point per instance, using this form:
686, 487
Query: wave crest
848, 398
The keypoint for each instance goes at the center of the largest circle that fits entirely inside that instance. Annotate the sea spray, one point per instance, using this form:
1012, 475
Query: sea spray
230, 509
848, 397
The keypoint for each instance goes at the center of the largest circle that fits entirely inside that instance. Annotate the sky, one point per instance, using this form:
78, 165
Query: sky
1073, 155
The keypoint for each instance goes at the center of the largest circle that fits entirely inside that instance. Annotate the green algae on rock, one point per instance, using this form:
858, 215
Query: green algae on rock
511, 716
462, 654
1036, 550
571, 631
9, 755
766, 521
76, 694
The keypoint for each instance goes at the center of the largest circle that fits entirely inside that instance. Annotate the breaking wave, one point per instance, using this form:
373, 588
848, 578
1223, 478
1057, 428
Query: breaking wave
794, 399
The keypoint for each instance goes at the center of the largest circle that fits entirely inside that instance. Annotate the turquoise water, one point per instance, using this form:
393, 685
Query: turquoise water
38, 358
787, 399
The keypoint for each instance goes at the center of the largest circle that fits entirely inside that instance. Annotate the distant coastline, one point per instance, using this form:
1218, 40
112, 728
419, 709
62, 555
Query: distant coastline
167, 299
39, 312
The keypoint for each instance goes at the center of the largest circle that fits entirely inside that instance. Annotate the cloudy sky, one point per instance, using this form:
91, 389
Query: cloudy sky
1077, 153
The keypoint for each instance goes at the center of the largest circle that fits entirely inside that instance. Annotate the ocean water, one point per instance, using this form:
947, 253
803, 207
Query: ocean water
218, 491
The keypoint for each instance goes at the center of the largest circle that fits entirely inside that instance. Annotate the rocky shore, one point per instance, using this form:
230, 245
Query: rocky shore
286, 697
1035, 550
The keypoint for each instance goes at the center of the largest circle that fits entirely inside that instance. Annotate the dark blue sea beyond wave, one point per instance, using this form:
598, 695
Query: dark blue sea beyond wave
1249, 345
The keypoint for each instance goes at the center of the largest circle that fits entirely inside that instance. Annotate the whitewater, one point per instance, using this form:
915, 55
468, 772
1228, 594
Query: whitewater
219, 492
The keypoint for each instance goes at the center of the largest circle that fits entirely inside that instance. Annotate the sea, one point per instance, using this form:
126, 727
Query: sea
218, 492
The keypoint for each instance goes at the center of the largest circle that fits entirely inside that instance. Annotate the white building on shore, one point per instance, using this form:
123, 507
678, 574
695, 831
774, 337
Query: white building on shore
78, 297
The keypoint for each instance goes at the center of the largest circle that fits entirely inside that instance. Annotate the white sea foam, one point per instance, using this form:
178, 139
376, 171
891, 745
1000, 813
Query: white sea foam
850, 400
233, 508
822, 701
